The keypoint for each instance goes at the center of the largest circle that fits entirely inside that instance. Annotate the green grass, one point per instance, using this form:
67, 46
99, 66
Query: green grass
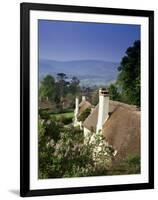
66, 115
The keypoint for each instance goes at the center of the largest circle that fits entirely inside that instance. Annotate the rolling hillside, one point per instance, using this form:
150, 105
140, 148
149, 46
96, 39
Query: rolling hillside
89, 72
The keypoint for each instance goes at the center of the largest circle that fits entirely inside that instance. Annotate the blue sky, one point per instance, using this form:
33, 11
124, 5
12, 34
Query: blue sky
65, 41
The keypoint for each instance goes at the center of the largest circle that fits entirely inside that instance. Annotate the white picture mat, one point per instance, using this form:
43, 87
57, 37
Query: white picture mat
35, 183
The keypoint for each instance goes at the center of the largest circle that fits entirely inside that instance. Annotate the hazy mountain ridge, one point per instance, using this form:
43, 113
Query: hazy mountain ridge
89, 72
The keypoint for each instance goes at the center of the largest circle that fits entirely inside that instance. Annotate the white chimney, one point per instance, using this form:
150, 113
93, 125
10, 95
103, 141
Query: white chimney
103, 109
76, 111
76, 106
83, 98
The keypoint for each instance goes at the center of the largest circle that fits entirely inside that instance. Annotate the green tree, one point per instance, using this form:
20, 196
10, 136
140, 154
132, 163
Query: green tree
74, 86
48, 135
61, 86
61, 77
129, 75
47, 88
113, 92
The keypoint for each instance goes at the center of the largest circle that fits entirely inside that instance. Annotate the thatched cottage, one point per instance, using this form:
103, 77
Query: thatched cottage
118, 122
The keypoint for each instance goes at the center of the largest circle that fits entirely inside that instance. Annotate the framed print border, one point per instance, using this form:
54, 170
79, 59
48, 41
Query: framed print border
25, 9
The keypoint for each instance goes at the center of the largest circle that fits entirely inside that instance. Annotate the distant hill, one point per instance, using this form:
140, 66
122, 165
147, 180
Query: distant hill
89, 72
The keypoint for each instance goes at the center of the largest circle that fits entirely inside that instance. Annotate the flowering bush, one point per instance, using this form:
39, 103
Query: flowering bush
69, 155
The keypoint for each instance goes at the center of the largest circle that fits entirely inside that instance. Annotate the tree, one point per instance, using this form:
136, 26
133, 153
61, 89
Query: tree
74, 86
47, 88
113, 92
129, 75
61, 85
61, 77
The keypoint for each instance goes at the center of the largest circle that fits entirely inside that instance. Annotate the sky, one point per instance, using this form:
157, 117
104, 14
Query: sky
66, 41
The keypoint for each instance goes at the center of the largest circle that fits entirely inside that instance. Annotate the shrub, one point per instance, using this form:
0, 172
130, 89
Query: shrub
44, 114
129, 165
70, 156
84, 114
65, 120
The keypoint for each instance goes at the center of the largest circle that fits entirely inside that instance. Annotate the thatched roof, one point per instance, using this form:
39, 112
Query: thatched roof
83, 106
121, 130
45, 104
91, 121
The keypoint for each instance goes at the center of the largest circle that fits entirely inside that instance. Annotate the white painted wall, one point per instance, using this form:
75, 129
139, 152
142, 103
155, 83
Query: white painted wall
77, 123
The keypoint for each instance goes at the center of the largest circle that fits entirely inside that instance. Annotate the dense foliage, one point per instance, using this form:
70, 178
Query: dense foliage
113, 92
127, 87
59, 91
47, 88
129, 76
63, 152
